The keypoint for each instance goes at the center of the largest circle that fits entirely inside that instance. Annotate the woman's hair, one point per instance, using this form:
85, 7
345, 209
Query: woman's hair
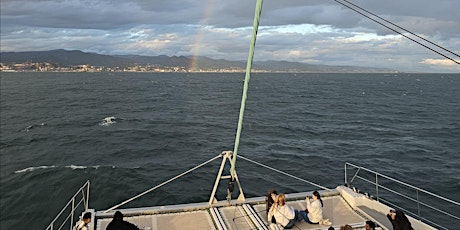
269, 200
86, 216
281, 199
316, 193
346, 227
371, 224
402, 220
268, 197
270, 192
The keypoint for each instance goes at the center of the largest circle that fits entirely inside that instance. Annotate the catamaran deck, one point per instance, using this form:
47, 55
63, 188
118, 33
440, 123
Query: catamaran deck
248, 215
341, 206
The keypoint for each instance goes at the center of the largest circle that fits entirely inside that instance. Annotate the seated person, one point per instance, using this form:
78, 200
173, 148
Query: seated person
399, 220
269, 202
314, 212
370, 225
346, 227
119, 224
84, 222
284, 215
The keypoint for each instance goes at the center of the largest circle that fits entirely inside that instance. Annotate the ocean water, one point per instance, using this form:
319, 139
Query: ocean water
127, 132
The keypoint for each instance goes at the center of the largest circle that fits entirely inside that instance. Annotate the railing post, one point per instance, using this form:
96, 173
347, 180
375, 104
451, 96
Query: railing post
418, 206
80, 192
377, 186
346, 182
420, 203
87, 196
72, 213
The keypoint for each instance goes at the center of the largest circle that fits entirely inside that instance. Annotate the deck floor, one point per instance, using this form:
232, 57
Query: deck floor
240, 218
335, 209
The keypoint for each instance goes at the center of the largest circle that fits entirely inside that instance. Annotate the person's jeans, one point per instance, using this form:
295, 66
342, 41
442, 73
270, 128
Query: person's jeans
304, 216
292, 221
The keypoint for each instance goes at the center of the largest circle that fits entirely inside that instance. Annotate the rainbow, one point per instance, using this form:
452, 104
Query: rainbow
196, 47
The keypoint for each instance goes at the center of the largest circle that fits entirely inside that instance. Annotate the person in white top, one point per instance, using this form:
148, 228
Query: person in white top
284, 215
84, 222
314, 212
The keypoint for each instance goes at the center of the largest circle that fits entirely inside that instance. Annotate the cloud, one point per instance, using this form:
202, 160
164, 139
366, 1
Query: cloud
317, 31
441, 62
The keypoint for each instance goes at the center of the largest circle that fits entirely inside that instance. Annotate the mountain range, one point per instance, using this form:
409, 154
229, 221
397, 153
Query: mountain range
62, 57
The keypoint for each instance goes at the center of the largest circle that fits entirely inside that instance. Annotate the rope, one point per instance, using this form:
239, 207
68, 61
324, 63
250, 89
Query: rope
398, 32
159, 185
255, 27
284, 173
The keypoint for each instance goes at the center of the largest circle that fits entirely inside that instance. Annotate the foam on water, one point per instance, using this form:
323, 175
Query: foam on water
73, 167
108, 121
28, 128
305, 124
31, 169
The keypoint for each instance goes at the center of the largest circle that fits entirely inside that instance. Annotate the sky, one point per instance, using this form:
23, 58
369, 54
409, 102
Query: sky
309, 31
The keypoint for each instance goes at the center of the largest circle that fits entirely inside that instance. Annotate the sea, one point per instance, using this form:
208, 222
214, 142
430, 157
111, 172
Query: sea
128, 132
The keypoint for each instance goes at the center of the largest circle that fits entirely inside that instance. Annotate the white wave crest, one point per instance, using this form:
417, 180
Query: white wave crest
31, 169
73, 167
28, 128
108, 121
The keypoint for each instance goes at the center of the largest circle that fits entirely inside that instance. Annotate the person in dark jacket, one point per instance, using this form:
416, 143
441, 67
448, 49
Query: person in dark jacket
119, 224
399, 220
370, 225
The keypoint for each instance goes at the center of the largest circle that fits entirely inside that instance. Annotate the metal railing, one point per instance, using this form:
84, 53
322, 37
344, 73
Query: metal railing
421, 204
79, 201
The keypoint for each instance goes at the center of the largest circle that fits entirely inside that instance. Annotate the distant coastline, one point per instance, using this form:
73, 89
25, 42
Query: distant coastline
78, 61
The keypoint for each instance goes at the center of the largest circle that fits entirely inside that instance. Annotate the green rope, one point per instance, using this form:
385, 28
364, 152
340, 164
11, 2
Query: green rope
246, 83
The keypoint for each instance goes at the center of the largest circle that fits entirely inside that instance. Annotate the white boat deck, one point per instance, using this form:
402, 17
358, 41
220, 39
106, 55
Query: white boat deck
249, 215
342, 205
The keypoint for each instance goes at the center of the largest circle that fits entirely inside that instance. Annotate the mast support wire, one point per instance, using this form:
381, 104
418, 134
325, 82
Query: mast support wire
366, 14
159, 185
284, 173
201, 165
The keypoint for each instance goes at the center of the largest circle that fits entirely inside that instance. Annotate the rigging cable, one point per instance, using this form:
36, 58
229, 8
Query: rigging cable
357, 10
159, 185
383, 19
284, 173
